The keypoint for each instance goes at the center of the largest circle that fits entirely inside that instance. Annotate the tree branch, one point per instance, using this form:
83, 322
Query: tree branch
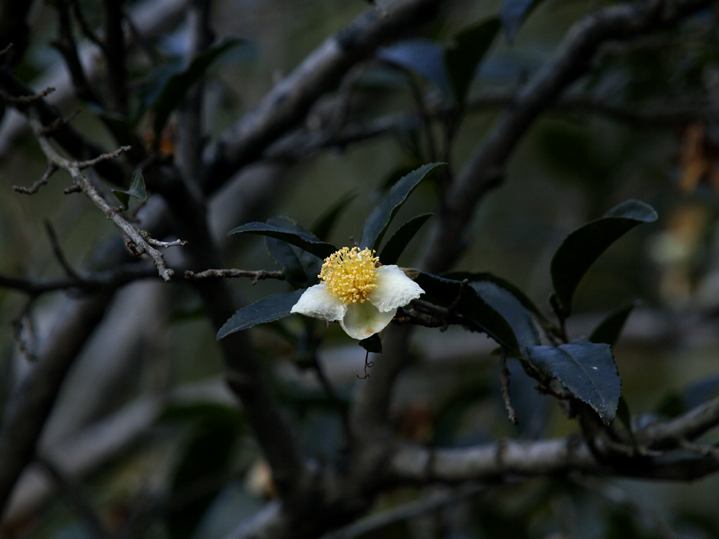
572, 60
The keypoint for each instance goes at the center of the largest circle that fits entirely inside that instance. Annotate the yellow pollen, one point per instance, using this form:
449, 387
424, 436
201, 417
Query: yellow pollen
349, 274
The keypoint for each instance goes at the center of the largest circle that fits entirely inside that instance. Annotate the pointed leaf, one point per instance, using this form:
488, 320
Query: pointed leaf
509, 287
380, 218
177, 85
399, 240
206, 455
582, 247
511, 310
137, 190
303, 240
610, 328
421, 56
462, 59
325, 223
465, 301
268, 309
513, 14
586, 369
300, 267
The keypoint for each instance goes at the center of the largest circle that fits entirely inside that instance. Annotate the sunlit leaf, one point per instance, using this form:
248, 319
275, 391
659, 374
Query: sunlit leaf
268, 309
586, 369
381, 217
582, 247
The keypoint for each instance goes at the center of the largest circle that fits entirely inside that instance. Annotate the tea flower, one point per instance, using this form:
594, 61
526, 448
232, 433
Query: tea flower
357, 291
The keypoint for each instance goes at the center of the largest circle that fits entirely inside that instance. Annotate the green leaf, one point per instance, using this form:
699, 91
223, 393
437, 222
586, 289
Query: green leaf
303, 240
466, 302
137, 190
509, 287
513, 14
177, 85
268, 309
381, 217
300, 267
323, 226
511, 310
421, 56
462, 59
583, 246
610, 328
399, 240
586, 369
205, 457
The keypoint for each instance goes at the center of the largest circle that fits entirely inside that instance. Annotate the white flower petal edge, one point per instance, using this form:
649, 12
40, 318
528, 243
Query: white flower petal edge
363, 320
317, 302
394, 289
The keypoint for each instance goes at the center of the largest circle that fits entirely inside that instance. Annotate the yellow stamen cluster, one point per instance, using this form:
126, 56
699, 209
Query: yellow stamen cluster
349, 274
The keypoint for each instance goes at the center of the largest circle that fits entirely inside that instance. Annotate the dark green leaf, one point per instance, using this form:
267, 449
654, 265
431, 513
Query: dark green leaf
137, 190
462, 59
303, 240
610, 328
372, 344
324, 224
586, 369
420, 56
511, 310
300, 267
509, 287
582, 247
177, 85
466, 302
625, 416
268, 309
380, 218
513, 14
205, 458
399, 240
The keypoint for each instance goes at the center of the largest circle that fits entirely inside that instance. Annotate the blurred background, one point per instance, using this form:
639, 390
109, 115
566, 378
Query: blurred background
145, 402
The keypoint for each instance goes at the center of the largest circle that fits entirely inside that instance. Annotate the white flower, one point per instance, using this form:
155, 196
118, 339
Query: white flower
358, 292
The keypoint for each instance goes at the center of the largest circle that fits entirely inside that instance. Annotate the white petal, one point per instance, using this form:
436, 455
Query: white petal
394, 289
364, 320
317, 302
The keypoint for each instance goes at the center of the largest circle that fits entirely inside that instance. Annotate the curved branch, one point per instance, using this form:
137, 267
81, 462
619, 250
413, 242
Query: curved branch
572, 60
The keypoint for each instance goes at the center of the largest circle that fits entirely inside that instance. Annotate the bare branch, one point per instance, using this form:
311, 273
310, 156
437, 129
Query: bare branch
35, 187
138, 238
571, 61
256, 276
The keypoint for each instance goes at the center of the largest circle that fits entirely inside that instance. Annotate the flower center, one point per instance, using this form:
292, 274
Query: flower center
349, 274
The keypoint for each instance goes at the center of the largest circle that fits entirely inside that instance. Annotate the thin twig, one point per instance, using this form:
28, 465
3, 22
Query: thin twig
138, 243
35, 187
256, 276
504, 376
59, 255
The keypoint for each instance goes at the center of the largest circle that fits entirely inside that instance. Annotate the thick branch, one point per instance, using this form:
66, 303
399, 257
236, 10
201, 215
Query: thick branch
290, 100
572, 60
